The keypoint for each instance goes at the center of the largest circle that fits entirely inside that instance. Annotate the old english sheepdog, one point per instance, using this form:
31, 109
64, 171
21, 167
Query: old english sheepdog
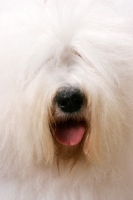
66, 101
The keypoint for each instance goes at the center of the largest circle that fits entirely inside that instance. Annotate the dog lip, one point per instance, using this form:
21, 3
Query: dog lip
70, 133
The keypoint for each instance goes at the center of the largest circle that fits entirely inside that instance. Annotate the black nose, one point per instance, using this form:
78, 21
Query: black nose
69, 99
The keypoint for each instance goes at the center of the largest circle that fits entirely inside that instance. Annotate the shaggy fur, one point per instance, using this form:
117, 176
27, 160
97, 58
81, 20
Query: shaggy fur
81, 43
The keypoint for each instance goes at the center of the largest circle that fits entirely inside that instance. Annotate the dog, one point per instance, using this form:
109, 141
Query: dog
66, 86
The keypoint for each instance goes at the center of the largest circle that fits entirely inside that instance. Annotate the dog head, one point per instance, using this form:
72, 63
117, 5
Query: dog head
67, 97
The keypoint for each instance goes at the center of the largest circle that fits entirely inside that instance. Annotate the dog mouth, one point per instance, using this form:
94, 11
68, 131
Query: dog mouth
70, 132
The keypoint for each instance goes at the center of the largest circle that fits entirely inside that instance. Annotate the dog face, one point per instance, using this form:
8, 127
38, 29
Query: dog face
79, 109
66, 82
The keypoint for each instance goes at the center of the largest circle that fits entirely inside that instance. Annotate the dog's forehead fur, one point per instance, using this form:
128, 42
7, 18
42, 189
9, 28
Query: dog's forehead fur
84, 44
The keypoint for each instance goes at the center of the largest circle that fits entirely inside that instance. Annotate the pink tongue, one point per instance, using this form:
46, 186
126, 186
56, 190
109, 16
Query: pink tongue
70, 134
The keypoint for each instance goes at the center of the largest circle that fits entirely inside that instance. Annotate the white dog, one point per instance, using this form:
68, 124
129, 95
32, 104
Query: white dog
66, 104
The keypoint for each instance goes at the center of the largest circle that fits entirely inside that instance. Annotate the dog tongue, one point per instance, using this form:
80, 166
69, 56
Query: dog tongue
70, 134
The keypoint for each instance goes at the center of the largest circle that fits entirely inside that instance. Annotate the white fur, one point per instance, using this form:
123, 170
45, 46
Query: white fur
40, 44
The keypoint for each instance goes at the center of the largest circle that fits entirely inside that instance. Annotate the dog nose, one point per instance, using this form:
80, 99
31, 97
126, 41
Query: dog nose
69, 100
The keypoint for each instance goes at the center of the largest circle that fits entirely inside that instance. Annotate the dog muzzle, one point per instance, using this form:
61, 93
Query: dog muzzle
70, 125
